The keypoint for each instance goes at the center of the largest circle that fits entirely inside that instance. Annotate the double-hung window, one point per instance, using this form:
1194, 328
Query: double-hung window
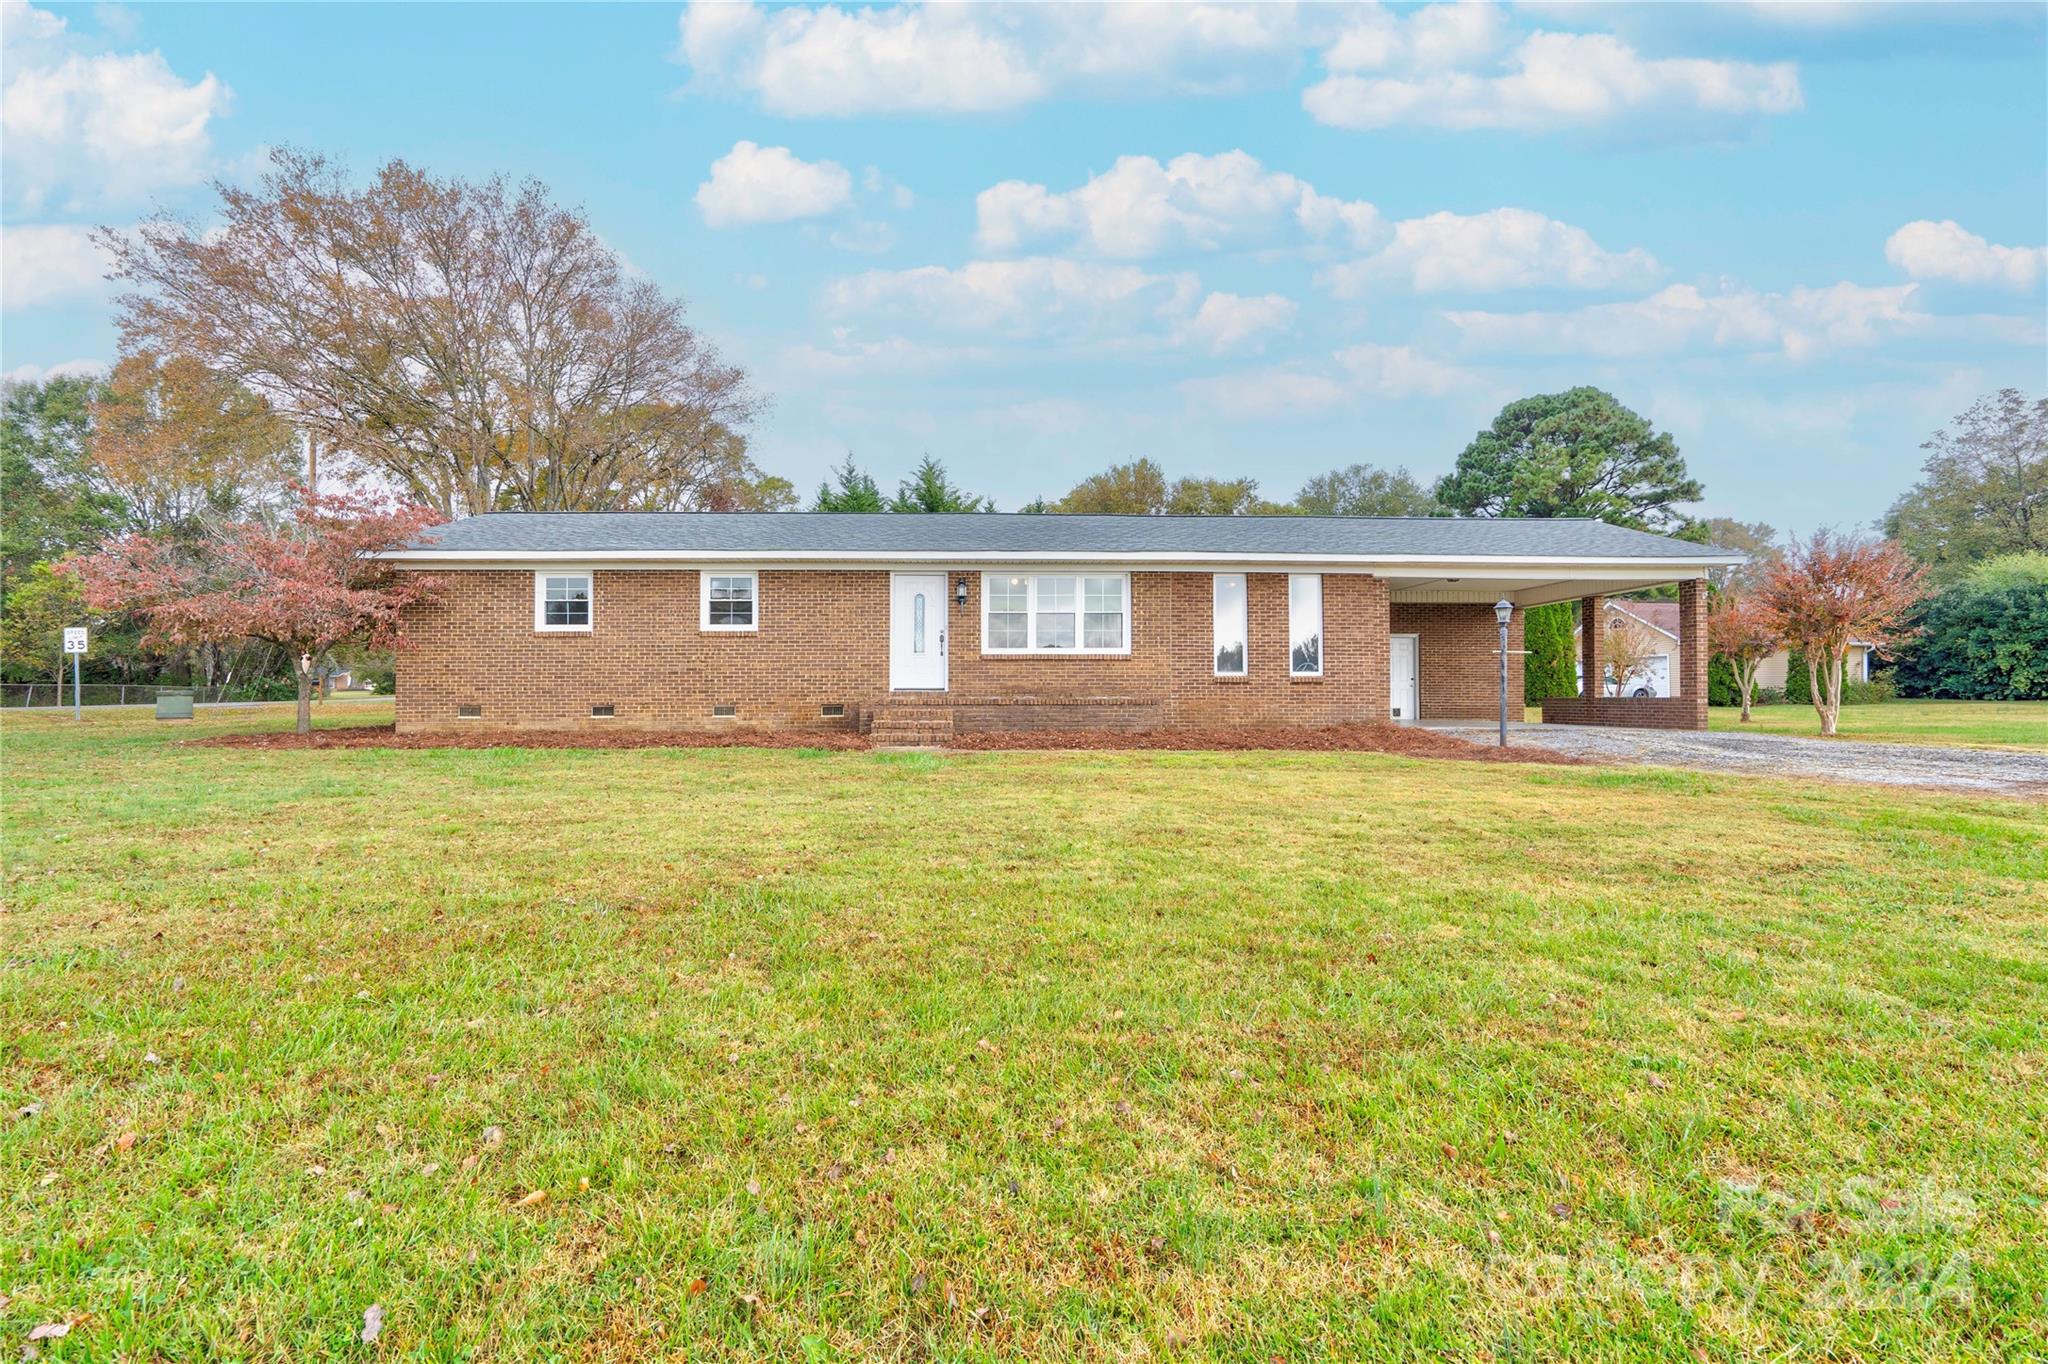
1232, 624
1055, 613
561, 600
1305, 624
729, 599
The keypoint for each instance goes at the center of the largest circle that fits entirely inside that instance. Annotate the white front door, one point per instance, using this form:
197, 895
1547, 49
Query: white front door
1404, 686
917, 632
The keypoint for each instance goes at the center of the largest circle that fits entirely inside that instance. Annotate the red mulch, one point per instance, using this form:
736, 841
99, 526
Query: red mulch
387, 736
1359, 738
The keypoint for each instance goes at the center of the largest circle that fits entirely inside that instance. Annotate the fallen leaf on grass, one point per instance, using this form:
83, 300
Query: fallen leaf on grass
51, 1330
373, 1323
696, 1286
754, 1187
494, 1136
28, 1110
533, 1200
124, 1142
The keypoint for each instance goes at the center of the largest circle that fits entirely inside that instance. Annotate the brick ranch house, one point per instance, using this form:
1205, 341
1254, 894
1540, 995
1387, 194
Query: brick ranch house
916, 626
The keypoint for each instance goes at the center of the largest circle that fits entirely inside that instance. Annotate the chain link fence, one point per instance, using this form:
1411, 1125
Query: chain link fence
20, 695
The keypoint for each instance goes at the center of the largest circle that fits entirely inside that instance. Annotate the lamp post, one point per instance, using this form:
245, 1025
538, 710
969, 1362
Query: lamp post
1502, 610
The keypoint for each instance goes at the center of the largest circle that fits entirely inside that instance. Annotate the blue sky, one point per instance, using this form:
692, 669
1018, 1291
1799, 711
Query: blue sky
1263, 241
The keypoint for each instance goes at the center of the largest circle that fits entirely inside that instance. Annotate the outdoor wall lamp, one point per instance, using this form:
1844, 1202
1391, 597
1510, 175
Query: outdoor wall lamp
960, 591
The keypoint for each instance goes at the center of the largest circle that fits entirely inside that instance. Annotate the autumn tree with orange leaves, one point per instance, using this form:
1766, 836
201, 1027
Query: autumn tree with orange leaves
472, 344
1830, 589
306, 585
1743, 631
173, 439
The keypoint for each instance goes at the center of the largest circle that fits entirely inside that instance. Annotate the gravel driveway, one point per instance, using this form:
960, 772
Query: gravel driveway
1967, 769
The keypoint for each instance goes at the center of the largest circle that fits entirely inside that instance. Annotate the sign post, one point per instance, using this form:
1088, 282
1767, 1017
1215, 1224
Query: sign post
74, 644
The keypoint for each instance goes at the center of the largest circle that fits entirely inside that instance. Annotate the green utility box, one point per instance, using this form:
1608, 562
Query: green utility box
173, 703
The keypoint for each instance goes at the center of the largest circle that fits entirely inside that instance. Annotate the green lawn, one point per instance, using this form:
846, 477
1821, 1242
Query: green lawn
1109, 1056
1968, 724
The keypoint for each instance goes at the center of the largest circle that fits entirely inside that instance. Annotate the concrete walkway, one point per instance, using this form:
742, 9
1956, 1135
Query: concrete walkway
1990, 771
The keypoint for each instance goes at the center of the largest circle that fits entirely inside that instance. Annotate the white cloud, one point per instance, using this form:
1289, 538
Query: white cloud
35, 374
1267, 393
1035, 296
1945, 251
105, 127
49, 264
1432, 37
1507, 248
1551, 80
756, 184
948, 59
1140, 208
1357, 373
1799, 323
1229, 322
832, 62
1399, 371
848, 354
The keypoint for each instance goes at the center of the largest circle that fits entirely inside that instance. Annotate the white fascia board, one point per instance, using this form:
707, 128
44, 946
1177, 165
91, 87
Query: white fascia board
1384, 565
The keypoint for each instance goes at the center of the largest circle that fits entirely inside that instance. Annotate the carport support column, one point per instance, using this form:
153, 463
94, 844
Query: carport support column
1692, 650
1592, 654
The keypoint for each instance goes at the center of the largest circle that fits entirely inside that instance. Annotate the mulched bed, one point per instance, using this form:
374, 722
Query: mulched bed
1362, 738
387, 736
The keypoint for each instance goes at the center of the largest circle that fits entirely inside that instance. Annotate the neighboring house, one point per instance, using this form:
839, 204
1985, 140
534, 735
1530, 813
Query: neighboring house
1855, 668
920, 625
1660, 620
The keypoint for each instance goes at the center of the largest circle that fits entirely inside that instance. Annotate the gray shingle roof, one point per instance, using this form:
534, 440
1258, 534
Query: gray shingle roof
965, 535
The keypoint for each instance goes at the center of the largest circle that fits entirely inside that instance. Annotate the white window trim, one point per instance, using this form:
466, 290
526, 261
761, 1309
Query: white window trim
1031, 648
1322, 636
704, 577
540, 600
1245, 586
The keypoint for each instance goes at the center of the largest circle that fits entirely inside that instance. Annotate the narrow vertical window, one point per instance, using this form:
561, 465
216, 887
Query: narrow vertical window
917, 623
1305, 624
1231, 625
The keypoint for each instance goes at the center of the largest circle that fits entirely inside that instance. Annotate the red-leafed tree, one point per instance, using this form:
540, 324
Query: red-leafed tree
1831, 589
1743, 631
306, 585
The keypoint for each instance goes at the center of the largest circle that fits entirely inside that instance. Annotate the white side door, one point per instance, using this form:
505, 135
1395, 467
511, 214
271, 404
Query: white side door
917, 632
1404, 680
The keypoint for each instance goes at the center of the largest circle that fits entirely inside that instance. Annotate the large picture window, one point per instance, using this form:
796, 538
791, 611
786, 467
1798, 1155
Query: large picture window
561, 601
1055, 613
729, 600
1305, 624
1231, 625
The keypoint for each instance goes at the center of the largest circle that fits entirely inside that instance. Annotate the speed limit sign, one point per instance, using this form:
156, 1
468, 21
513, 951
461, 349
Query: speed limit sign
74, 639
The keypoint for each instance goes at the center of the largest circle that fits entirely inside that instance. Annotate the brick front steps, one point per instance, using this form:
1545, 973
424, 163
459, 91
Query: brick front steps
913, 726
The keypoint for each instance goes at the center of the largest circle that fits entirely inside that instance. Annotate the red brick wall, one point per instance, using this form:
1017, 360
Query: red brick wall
1459, 659
644, 654
823, 639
